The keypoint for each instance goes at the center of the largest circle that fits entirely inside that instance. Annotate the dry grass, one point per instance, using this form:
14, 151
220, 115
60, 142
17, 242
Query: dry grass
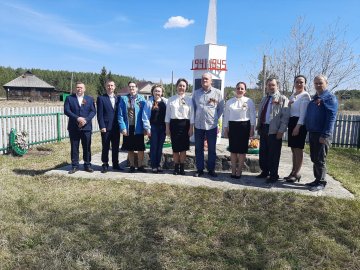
25, 103
53, 222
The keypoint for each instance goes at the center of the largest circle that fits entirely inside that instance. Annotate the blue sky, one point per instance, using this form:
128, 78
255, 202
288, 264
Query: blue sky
129, 37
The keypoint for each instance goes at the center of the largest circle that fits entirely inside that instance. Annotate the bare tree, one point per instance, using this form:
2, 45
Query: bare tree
305, 53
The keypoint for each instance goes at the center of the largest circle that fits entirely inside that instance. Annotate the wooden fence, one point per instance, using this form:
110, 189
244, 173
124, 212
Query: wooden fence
43, 124
347, 131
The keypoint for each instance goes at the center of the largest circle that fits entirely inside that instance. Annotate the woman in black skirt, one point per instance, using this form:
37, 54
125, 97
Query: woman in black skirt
131, 126
239, 123
179, 120
298, 103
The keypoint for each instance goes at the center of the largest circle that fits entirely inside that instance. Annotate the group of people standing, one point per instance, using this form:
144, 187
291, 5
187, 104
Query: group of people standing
182, 116
300, 115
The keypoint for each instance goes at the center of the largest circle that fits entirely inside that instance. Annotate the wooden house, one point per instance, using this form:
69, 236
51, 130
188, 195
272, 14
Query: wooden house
29, 87
144, 88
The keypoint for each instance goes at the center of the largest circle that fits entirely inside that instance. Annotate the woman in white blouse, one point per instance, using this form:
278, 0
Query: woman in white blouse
239, 123
298, 103
179, 120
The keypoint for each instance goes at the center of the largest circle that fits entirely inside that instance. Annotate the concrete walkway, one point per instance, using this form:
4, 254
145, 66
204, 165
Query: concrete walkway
223, 181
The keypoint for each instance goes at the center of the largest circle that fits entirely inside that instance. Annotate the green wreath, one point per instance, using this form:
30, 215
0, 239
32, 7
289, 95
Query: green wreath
18, 142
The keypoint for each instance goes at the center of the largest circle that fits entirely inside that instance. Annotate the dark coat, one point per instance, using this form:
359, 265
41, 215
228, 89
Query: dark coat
106, 114
73, 110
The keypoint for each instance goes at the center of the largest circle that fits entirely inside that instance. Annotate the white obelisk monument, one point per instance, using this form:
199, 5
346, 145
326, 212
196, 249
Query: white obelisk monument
210, 57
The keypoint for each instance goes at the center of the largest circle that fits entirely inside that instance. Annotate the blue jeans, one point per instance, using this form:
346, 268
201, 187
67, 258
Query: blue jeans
211, 136
156, 144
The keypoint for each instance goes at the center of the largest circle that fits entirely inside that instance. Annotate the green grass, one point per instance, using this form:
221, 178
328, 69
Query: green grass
53, 222
343, 165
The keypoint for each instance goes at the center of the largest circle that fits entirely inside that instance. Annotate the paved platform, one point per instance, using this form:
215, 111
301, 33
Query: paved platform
223, 181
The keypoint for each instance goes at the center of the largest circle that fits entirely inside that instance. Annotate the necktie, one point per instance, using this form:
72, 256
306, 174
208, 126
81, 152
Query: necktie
263, 112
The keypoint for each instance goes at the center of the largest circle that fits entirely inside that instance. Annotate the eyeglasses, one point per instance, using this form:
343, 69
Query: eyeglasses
299, 82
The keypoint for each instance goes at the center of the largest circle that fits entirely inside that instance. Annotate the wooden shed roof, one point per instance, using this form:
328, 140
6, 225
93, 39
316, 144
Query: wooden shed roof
28, 80
144, 87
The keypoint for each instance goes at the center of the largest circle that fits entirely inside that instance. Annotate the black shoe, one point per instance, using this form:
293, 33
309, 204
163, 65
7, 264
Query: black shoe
233, 176
176, 169
287, 177
159, 169
312, 184
318, 187
198, 173
142, 169
293, 178
154, 170
271, 180
73, 170
89, 169
131, 169
104, 168
238, 176
182, 169
262, 175
117, 167
212, 173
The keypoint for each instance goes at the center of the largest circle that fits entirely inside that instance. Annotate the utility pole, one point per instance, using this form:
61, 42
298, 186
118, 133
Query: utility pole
71, 82
264, 75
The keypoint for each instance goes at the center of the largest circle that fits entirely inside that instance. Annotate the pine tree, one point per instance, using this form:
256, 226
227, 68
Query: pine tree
102, 80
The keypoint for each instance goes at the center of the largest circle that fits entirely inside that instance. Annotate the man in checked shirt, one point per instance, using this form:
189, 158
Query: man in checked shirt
208, 108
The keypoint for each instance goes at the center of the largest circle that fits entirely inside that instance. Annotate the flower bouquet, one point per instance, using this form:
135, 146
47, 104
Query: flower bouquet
254, 145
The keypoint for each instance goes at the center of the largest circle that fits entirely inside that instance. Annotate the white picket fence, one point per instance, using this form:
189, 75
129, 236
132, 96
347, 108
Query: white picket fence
49, 124
43, 124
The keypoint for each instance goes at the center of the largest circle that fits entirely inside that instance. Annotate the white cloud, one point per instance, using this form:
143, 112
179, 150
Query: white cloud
177, 22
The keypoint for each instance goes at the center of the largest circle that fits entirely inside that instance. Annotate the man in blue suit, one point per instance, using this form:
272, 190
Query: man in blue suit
107, 118
80, 109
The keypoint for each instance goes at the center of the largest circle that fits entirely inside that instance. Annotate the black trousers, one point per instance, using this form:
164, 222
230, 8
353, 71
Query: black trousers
85, 138
113, 137
318, 153
269, 152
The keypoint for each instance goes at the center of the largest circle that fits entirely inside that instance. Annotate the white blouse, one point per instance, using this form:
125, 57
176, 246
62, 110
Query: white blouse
298, 106
179, 107
239, 109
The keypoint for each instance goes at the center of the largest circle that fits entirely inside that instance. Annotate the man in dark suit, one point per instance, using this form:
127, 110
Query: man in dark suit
272, 124
80, 109
107, 118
